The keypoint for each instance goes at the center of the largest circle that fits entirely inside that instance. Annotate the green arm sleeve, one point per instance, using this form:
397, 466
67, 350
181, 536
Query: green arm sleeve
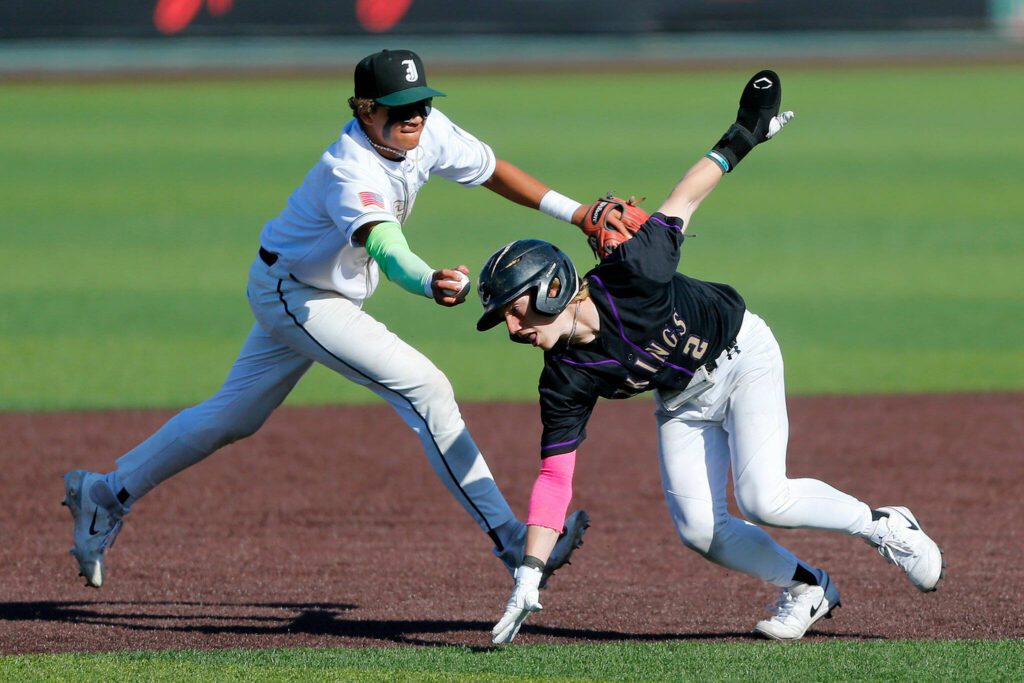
389, 248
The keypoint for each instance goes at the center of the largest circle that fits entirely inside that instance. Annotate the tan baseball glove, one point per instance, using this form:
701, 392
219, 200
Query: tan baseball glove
610, 221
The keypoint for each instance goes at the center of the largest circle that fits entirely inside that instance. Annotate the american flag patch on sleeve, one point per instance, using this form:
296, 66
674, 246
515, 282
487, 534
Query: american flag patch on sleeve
371, 199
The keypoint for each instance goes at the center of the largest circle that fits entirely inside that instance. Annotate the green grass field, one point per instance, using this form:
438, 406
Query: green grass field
880, 236
878, 661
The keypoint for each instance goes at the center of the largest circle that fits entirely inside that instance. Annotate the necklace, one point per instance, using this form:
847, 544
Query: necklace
575, 318
382, 148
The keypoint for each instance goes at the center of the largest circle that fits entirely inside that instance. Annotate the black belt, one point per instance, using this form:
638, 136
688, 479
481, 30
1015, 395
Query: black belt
268, 257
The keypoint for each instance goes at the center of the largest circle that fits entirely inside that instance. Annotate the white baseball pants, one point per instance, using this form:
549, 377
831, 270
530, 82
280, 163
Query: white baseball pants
741, 422
297, 325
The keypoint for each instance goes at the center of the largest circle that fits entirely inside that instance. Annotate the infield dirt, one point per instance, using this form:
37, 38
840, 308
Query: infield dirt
328, 528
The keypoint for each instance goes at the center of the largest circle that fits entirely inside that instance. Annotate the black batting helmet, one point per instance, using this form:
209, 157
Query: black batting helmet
521, 267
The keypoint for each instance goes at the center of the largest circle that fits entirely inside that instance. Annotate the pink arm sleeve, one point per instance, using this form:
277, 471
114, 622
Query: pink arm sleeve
552, 492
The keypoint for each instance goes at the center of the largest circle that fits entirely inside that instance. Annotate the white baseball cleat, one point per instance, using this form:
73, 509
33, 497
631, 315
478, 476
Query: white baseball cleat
901, 541
98, 519
798, 608
571, 538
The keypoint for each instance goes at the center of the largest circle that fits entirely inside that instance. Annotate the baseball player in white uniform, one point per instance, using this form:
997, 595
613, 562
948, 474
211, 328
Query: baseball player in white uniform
318, 261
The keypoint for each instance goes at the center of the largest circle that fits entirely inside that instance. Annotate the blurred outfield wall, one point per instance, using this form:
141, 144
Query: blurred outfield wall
76, 38
21, 19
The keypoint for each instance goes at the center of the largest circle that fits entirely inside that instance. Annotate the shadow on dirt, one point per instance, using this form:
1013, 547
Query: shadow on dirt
319, 619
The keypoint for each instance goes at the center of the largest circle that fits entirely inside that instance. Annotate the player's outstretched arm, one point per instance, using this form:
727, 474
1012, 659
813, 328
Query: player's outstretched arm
549, 502
516, 185
525, 597
689, 192
757, 120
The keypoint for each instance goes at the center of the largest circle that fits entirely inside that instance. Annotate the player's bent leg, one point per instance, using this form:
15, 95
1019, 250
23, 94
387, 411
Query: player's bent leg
262, 376
732, 543
258, 382
694, 459
336, 333
787, 503
758, 428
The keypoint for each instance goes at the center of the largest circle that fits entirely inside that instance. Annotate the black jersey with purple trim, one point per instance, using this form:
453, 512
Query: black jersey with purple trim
657, 327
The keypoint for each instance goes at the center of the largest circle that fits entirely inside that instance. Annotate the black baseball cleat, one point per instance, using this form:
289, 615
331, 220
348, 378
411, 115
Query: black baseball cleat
571, 538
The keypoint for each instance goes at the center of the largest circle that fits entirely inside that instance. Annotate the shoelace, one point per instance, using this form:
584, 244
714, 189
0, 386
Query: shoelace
108, 540
895, 543
784, 606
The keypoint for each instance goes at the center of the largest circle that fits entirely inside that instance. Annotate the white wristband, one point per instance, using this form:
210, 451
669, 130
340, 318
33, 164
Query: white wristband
428, 285
558, 206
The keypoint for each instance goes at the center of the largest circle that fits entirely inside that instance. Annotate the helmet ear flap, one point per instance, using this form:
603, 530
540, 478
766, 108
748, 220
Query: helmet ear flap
558, 285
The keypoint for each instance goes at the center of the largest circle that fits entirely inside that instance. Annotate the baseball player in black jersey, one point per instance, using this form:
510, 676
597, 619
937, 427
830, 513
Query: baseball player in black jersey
633, 324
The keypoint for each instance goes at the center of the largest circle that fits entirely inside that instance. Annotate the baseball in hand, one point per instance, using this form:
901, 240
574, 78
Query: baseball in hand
464, 284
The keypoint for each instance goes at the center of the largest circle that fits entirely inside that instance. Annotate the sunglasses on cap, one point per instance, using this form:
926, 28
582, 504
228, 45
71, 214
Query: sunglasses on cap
409, 111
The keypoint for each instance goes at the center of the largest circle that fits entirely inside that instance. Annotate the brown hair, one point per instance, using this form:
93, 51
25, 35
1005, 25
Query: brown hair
584, 292
361, 106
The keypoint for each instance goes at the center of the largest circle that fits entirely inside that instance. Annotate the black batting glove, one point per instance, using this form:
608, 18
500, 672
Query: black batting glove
757, 120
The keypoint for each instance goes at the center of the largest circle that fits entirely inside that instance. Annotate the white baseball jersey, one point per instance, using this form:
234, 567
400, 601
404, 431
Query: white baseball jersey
308, 308
353, 185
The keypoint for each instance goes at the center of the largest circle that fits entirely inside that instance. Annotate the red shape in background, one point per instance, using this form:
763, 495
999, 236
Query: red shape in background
173, 16
380, 15
219, 8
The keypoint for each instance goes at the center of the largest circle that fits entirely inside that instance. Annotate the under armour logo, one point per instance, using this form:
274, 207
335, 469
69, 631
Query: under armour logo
762, 83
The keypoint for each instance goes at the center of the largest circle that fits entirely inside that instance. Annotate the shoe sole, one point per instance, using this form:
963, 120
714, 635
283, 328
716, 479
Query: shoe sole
906, 513
579, 528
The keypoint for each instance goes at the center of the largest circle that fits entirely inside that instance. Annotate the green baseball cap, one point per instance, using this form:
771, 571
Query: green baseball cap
393, 78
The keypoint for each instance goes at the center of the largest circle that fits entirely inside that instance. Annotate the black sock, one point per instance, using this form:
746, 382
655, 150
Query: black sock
876, 515
805, 575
